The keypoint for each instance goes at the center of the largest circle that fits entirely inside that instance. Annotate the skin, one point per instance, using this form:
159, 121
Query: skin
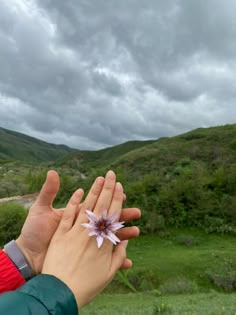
85, 268
43, 220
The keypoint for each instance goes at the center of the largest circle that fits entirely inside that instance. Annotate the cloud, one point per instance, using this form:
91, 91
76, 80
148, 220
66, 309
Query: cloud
94, 74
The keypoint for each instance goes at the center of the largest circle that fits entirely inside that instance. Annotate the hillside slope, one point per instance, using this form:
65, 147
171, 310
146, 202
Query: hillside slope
187, 180
89, 160
214, 146
18, 146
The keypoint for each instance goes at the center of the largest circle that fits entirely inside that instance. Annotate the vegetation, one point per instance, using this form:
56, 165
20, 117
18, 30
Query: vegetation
187, 180
12, 217
172, 277
184, 261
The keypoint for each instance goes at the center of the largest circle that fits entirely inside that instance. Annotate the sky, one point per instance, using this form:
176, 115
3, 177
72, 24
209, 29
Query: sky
93, 74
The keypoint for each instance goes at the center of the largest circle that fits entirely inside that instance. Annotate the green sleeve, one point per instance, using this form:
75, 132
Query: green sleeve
42, 295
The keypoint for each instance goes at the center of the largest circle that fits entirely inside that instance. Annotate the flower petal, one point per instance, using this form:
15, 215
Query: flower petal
114, 239
92, 233
116, 226
104, 214
87, 225
91, 216
112, 218
99, 240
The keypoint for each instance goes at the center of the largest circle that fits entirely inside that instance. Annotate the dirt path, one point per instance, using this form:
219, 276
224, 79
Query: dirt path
26, 200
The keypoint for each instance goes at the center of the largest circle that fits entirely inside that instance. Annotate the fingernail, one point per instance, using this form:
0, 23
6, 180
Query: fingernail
99, 180
79, 193
110, 175
119, 186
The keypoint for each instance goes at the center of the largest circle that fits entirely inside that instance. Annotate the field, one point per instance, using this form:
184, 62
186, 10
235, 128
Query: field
184, 272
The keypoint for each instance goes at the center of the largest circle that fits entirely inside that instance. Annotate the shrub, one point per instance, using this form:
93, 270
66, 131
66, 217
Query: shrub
142, 280
223, 278
12, 217
178, 286
218, 225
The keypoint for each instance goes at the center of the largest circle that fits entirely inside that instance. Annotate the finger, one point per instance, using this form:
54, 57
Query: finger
117, 200
118, 257
124, 197
68, 217
130, 214
90, 201
49, 190
126, 264
128, 233
105, 198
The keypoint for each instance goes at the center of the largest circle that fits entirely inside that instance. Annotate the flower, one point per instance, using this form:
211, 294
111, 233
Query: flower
103, 227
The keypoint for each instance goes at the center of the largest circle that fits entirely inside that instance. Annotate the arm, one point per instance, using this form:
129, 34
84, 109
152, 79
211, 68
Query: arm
75, 269
43, 217
43, 295
10, 277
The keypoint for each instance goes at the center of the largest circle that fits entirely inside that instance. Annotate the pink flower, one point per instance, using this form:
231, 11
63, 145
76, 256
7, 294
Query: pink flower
103, 227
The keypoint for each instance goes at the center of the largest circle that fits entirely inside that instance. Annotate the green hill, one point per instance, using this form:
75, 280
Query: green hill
215, 146
87, 161
18, 146
187, 180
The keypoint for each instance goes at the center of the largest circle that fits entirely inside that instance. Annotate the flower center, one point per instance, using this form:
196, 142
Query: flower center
102, 226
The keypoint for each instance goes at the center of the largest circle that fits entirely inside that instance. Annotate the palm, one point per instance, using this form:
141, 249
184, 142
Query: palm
38, 230
41, 223
43, 220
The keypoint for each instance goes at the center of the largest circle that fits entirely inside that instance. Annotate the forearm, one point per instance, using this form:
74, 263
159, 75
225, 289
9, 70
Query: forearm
43, 295
10, 277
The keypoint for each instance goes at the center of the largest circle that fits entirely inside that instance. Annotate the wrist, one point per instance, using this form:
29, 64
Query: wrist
19, 257
26, 253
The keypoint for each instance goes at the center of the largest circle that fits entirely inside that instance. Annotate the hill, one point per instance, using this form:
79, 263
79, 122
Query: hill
214, 146
18, 146
187, 180
87, 161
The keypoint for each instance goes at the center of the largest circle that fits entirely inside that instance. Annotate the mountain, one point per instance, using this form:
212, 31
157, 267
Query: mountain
17, 146
186, 180
214, 146
89, 160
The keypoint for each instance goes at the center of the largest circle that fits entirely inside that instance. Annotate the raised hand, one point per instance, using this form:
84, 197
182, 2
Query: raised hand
73, 256
43, 220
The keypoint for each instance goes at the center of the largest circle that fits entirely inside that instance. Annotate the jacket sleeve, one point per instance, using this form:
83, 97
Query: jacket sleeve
42, 295
10, 277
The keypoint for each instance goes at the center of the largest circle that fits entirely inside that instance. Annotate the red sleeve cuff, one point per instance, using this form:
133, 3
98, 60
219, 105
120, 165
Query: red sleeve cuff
10, 277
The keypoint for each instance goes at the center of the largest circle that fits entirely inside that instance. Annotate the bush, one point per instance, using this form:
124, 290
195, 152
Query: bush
142, 280
12, 217
223, 278
218, 225
178, 286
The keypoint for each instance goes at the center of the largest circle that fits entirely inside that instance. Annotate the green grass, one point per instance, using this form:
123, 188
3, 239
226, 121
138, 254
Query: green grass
170, 277
212, 303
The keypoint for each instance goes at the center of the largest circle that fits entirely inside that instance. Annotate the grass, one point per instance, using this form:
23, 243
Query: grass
212, 303
170, 277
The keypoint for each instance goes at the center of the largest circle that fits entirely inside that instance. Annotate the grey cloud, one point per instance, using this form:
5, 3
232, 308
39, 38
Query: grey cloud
93, 74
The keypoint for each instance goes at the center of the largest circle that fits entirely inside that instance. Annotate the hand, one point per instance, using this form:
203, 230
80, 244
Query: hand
73, 256
42, 222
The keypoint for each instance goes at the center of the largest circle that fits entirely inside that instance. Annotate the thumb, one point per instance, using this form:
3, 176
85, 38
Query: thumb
49, 190
118, 257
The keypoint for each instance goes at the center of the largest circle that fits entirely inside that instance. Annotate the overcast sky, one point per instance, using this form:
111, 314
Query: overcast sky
92, 74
